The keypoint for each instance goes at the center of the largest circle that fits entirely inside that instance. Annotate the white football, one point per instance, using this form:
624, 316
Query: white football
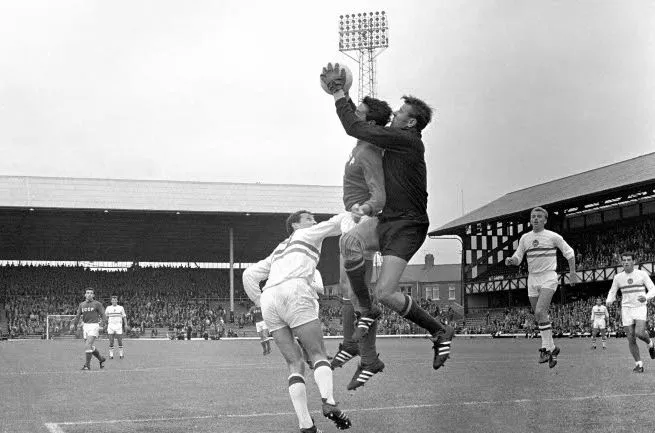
349, 78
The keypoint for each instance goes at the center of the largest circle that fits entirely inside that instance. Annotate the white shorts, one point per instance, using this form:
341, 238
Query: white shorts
629, 315
261, 326
598, 324
291, 303
115, 329
90, 330
541, 280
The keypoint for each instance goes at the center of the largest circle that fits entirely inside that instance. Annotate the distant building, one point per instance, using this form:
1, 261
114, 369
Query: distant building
426, 281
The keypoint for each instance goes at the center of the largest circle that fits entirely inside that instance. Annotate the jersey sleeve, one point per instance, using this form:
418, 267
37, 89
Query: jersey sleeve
325, 229
565, 248
392, 139
255, 274
520, 250
371, 162
611, 296
650, 294
123, 312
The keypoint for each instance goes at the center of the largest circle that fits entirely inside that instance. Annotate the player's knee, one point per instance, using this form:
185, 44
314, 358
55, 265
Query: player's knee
352, 250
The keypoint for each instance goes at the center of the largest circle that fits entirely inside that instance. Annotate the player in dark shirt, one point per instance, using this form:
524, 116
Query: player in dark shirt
403, 223
91, 312
364, 195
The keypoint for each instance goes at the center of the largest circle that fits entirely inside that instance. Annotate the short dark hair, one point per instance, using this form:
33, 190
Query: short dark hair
378, 111
628, 254
421, 111
294, 218
114, 296
89, 288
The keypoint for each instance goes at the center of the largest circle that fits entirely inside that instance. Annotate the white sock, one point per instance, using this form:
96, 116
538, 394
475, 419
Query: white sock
323, 378
546, 332
298, 393
639, 364
120, 351
650, 344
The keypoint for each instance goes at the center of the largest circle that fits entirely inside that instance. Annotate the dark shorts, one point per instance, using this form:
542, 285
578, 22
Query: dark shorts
401, 238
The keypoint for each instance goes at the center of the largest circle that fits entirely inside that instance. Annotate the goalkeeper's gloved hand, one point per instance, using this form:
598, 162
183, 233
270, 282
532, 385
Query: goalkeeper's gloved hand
334, 78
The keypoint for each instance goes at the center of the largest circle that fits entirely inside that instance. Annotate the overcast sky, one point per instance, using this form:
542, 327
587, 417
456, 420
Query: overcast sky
228, 91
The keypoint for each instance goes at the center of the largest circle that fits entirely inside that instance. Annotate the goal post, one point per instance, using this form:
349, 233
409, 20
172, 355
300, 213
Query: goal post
58, 326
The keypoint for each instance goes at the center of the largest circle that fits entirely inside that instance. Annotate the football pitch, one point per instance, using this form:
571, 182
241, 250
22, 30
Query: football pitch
228, 386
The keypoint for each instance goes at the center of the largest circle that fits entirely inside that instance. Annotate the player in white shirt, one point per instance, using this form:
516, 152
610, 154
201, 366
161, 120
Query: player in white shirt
540, 248
116, 322
636, 290
290, 308
599, 320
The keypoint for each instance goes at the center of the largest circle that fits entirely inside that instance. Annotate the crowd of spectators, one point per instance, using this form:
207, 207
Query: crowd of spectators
597, 249
172, 298
573, 318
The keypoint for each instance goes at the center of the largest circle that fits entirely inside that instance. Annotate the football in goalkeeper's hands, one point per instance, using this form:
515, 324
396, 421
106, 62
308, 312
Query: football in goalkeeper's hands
349, 79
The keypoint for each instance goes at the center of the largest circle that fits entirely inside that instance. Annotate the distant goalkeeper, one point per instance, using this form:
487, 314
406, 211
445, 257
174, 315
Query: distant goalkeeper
116, 322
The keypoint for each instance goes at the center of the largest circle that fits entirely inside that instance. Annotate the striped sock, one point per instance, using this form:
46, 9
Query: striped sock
298, 393
546, 331
323, 378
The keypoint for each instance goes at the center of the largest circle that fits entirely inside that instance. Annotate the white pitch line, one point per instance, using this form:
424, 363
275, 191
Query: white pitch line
53, 427
367, 409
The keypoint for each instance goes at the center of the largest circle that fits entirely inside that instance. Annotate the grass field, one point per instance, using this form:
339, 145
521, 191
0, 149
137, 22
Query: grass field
228, 386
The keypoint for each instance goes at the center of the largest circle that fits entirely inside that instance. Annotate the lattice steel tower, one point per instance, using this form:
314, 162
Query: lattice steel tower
368, 35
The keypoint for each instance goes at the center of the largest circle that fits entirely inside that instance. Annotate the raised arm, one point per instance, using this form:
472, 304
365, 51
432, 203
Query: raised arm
393, 139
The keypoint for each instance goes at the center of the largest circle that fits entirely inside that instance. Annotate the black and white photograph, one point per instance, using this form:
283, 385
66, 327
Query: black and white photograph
294, 216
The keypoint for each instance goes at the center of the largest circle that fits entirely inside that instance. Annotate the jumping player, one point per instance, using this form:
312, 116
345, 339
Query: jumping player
289, 307
262, 330
116, 322
636, 290
403, 224
91, 312
540, 247
363, 194
599, 319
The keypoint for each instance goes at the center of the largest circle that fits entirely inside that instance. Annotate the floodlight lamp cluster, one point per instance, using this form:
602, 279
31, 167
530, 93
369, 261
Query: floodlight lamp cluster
363, 31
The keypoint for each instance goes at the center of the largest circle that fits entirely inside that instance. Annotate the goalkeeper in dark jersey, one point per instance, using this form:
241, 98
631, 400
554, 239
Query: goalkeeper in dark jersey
91, 312
403, 223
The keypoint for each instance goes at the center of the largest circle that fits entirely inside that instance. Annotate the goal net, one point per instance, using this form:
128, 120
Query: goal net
58, 326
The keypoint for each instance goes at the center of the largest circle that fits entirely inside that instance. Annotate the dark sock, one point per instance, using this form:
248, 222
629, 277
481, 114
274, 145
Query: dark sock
348, 316
419, 316
88, 358
359, 285
367, 347
96, 353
